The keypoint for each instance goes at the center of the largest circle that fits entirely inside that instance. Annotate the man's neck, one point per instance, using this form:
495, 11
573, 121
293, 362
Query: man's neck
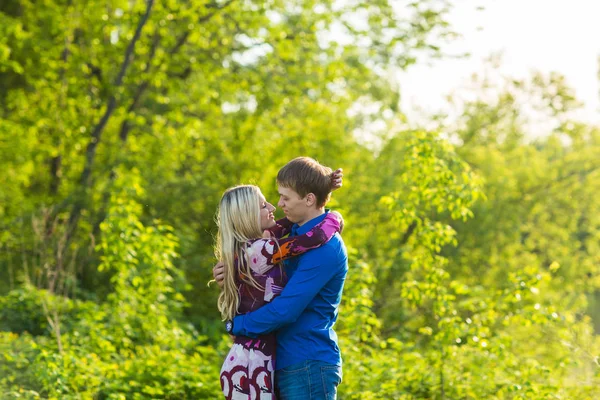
313, 213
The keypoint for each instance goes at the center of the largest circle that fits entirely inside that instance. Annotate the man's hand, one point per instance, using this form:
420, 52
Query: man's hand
336, 179
219, 273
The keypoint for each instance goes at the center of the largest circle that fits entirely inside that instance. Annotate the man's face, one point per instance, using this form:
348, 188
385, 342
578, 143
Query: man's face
294, 206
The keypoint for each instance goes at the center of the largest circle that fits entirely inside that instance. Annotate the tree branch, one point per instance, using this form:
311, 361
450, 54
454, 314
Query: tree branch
99, 128
408, 233
142, 88
217, 8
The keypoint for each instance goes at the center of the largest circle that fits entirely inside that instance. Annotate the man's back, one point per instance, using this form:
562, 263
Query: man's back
311, 335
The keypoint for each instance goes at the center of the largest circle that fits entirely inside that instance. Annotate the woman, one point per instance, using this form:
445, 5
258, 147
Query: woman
250, 246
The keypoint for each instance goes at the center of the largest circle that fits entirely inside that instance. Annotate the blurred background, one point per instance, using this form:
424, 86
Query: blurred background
469, 135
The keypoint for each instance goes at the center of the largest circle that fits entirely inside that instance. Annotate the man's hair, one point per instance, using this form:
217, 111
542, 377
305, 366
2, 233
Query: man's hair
305, 175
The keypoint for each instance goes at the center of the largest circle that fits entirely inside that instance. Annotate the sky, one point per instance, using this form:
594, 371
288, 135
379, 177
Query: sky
540, 35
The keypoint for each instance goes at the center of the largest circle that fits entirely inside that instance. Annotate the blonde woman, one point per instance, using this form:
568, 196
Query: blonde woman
250, 246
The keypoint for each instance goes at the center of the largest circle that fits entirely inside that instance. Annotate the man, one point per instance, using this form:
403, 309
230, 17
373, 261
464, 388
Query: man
309, 364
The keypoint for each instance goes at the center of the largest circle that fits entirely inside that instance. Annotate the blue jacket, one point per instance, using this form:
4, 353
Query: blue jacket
307, 308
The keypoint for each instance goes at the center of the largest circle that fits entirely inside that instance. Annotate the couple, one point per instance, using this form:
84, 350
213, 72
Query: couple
282, 317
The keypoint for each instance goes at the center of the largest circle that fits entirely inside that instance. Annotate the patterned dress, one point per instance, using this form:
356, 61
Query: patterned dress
247, 373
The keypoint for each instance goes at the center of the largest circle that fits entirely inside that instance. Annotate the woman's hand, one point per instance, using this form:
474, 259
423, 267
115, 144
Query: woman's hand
336, 179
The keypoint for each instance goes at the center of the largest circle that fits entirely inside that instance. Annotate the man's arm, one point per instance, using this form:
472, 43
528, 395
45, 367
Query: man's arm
314, 270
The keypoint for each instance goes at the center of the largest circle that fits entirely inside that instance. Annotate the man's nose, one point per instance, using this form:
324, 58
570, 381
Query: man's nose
280, 203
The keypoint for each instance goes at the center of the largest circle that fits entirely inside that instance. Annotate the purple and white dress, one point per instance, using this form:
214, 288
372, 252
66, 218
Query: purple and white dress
248, 370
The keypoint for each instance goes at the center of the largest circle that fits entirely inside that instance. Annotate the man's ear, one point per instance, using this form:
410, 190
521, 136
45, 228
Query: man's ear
311, 199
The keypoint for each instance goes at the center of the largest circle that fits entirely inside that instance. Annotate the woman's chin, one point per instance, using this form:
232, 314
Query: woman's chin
269, 225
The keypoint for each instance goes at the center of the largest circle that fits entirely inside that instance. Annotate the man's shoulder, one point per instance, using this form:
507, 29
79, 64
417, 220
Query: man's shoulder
333, 250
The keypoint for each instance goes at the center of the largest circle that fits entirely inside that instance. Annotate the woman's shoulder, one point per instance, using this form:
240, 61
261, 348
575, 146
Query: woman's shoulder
259, 249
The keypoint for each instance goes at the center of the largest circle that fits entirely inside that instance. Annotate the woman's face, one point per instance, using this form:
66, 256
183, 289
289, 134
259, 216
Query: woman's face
267, 219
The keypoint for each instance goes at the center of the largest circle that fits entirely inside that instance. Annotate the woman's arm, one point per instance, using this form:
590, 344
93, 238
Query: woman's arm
263, 254
283, 227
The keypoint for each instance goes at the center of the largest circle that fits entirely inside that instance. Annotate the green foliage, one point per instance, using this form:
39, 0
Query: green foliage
130, 346
22, 310
474, 245
417, 327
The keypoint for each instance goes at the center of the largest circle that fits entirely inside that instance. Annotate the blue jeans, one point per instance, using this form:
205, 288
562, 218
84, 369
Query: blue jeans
310, 380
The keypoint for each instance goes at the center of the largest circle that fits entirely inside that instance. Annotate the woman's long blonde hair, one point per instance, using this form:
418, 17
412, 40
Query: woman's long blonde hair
238, 220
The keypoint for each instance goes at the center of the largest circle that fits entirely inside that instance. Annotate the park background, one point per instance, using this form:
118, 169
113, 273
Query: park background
472, 218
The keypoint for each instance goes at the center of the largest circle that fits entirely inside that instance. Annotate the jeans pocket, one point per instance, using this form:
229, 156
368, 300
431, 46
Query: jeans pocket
293, 382
332, 377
